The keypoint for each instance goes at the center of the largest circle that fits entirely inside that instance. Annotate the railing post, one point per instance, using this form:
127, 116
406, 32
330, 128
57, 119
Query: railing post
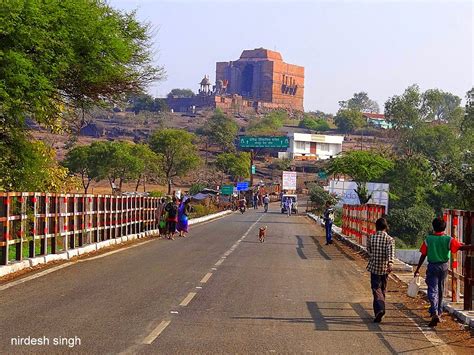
468, 265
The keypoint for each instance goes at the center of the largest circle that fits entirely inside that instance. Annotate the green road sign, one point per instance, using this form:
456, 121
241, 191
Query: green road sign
253, 169
227, 189
264, 142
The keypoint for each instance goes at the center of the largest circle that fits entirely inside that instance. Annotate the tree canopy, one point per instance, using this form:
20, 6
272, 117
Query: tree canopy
362, 167
314, 123
270, 124
348, 120
237, 165
178, 151
360, 102
180, 93
220, 129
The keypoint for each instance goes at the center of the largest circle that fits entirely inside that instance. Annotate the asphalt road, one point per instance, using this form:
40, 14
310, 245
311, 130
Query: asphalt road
217, 291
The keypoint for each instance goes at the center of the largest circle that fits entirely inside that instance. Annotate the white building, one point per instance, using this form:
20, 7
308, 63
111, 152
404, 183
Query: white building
305, 146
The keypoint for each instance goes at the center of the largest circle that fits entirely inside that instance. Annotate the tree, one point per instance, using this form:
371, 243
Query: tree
314, 123
221, 130
282, 164
180, 93
59, 59
406, 110
62, 55
31, 166
360, 102
79, 161
179, 154
151, 165
270, 124
237, 165
348, 120
319, 196
442, 106
362, 167
115, 162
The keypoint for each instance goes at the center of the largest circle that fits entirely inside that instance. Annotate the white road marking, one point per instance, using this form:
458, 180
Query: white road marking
206, 277
214, 268
174, 312
199, 287
188, 299
67, 264
219, 262
431, 336
156, 332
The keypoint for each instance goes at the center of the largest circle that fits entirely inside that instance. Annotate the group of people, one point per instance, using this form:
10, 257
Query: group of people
259, 199
437, 248
173, 217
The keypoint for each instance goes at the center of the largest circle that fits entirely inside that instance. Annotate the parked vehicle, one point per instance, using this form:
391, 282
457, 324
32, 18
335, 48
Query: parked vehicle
294, 208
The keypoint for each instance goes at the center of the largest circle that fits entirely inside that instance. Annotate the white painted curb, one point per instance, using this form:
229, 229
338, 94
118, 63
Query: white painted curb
71, 253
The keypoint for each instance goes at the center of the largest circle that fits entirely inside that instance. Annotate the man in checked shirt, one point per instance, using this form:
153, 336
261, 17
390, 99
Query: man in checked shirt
381, 249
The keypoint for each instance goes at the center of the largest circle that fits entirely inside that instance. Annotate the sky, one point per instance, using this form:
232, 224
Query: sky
345, 46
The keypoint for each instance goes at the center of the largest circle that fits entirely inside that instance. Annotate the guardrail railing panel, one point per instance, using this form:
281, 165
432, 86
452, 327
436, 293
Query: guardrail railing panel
36, 224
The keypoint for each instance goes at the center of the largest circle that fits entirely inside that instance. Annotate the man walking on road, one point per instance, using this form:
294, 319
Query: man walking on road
438, 247
328, 220
289, 205
381, 250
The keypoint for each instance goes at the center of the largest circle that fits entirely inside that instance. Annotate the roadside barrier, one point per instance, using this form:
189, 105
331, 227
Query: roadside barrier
38, 224
358, 221
460, 225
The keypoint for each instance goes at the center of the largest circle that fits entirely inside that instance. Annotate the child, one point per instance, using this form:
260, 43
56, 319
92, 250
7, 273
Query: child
438, 247
262, 231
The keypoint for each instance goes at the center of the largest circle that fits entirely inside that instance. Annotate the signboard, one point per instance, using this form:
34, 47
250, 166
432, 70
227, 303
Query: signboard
227, 189
289, 180
253, 169
346, 189
264, 142
242, 186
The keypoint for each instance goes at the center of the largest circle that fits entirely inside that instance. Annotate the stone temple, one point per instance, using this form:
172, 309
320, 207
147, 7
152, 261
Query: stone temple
258, 81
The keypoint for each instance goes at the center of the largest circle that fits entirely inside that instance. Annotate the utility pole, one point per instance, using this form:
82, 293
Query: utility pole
251, 164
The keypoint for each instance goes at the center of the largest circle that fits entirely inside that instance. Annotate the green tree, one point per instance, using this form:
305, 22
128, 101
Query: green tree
362, 167
442, 106
178, 152
79, 161
237, 165
115, 162
282, 164
31, 166
180, 93
311, 122
221, 130
406, 110
319, 197
150, 166
360, 102
348, 120
270, 124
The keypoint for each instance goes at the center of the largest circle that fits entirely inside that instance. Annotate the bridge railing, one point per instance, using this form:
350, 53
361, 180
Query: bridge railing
36, 224
460, 225
358, 221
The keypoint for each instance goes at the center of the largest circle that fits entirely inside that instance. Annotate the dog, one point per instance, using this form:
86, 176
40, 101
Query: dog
262, 231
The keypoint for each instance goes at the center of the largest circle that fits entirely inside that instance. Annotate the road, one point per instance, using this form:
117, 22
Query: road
217, 291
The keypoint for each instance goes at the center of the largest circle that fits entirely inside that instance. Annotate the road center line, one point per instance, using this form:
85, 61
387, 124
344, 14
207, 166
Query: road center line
188, 299
156, 332
219, 262
206, 277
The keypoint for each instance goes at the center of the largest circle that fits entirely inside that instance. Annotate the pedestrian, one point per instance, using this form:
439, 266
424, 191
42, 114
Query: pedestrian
381, 250
172, 219
289, 205
328, 218
266, 201
255, 201
437, 247
160, 214
183, 213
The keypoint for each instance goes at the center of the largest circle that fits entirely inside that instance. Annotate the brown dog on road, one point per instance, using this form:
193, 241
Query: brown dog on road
262, 231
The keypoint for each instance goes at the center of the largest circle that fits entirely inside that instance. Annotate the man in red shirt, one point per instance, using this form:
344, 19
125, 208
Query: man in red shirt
438, 247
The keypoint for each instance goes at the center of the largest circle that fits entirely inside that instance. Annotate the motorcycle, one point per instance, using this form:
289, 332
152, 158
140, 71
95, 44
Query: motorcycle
242, 209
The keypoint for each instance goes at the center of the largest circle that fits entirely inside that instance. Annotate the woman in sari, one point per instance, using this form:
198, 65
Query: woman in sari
183, 212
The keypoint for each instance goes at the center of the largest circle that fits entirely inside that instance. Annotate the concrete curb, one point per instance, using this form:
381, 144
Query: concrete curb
71, 253
466, 317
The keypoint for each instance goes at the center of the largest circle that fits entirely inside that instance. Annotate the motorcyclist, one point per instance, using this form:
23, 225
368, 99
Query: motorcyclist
242, 204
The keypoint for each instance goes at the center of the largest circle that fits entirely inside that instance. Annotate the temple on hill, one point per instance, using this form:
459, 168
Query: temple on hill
258, 81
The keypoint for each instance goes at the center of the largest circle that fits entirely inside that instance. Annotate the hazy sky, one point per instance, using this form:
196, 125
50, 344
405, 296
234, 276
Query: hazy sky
345, 46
